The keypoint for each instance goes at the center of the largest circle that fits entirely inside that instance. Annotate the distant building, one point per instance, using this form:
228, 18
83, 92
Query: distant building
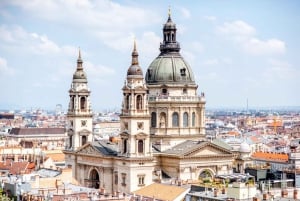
47, 138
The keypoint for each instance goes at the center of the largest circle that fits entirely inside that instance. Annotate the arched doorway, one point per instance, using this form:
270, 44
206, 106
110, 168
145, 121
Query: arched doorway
94, 179
205, 176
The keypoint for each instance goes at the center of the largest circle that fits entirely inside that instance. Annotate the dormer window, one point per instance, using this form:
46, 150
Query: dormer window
182, 72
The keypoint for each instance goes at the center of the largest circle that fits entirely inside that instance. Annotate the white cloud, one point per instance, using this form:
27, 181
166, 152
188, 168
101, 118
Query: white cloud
237, 28
217, 61
4, 68
185, 12
245, 35
280, 70
98, 71
18, 38
271, 46
101, 15
211, 62
210, 18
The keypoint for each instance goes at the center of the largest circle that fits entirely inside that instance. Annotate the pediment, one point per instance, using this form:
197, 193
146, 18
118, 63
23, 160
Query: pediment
208, 149
88, 149
84, 132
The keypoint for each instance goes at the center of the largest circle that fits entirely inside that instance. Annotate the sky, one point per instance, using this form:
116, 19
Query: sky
239, 51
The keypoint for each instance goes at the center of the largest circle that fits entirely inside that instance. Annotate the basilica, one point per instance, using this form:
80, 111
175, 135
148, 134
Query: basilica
162, 135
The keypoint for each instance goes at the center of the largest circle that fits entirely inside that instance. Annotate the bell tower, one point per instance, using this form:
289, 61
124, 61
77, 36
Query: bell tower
79, 114
135, 118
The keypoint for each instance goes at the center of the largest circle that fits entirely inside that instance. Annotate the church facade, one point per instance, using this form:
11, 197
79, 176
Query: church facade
162, 134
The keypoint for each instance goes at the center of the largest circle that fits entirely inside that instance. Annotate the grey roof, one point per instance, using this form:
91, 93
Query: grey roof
106, 147
189, 146
36, 131
221, 144
46, 173
185, 147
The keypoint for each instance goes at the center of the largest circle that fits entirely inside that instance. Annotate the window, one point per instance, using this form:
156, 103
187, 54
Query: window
71, 141
123, 179
72, 106
153, 119
185, 119
141, 179
140, 146
193, 119
175, 120
182, 72
164, 91
83, 140
139, 102
125, 146
82, 103
184, 91
127, 102
116, 178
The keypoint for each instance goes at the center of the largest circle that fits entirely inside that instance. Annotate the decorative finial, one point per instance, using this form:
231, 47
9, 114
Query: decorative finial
134, 54
169, 11
134, 44
79, 53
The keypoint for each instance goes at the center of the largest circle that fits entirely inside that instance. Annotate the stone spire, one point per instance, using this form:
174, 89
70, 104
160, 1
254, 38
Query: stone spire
135, 55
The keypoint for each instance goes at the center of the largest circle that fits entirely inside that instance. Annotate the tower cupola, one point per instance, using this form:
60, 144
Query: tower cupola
134, 71
169, 45
79, 76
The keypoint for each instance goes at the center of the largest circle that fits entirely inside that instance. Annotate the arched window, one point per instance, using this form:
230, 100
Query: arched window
193, 119
164, 91
139, 102
127, 102
185, 119
162, 120
175, 119
140, 146
153, 119
82, 103
83, 140
71, 141
72, 104
125, 146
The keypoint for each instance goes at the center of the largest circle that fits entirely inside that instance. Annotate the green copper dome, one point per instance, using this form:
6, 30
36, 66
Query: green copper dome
169, 67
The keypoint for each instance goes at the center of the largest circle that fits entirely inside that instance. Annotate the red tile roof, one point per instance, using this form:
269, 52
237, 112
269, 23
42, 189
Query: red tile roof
17, 167
271, 156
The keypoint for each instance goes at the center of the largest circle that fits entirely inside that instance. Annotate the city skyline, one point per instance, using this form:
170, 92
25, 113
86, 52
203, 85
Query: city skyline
240, 53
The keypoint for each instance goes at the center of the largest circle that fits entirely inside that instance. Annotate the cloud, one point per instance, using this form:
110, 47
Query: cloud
210, 18
217, 61
211, 62
98, 71
4, 68
280, 70
107, 20
259, 47
237, 28
245, 36
185, 12
19, 39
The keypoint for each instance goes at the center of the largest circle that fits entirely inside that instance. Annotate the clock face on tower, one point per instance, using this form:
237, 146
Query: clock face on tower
83, 123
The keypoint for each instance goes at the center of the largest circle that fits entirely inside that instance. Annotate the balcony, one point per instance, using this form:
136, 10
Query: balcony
166, 98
